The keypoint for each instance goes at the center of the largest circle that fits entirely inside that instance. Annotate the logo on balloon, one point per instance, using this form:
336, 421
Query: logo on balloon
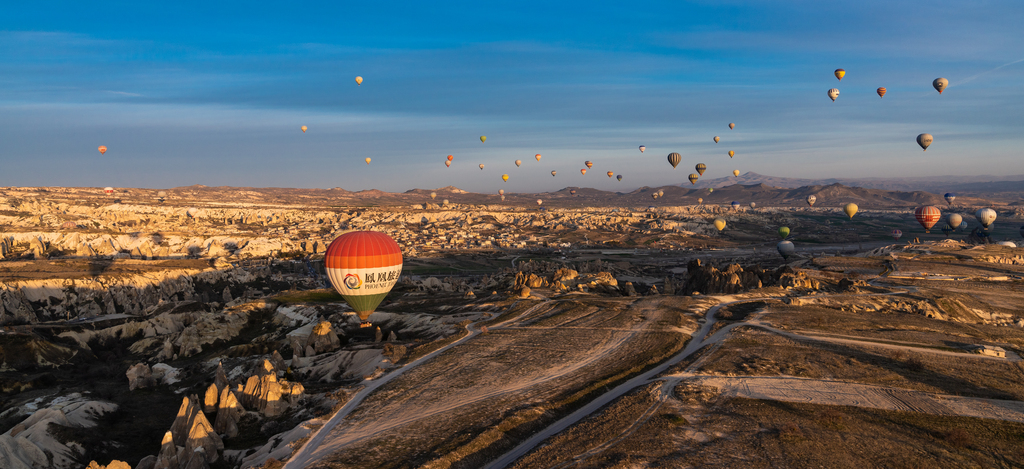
352, 281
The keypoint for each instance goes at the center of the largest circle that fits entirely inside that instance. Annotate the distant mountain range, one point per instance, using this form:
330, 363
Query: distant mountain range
972, 185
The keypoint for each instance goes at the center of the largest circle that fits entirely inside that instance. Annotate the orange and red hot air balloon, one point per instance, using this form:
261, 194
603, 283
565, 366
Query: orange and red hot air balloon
583, 171
589, 164
880, 91
102, 149
363, 266
450, 157
927, 216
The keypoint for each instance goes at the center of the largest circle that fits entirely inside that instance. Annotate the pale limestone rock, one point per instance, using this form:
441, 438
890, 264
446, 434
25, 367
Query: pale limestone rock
140, 376
210, 400
323, 339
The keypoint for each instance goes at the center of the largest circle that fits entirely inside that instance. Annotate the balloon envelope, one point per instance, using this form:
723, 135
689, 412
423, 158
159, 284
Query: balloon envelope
731, 153
481, 166
642, 148
693, 178
786, 249
896, 234
700, 200
433, 195
619, 177
450, 157
924, 140
102, 149
539, 201
674, 159
483, 138
940, 84
720, 224
519, 162
752, 205
850, 209
783, 232
701, 167
303, 129
367, 161
583, 171
504, 177
359, 80
732, 126
833, 93
501, 191
927, 216
448, 163
735, 205
553, 173
950, 197
954, 220
736, 172
589, 164
610, 174
880, 91
717, 139
811, 199
537, 156
840, 73
985, 216
363, 266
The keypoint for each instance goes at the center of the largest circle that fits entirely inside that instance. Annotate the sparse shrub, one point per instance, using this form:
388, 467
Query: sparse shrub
790, 432
676, 419
914, 363
831, 418
957, 437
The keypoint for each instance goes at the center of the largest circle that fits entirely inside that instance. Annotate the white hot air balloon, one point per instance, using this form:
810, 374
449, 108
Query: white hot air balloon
985, 216
786, 249
833, 93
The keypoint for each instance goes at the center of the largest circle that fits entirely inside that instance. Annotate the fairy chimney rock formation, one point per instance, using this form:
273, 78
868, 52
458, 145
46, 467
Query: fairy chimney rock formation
322, 339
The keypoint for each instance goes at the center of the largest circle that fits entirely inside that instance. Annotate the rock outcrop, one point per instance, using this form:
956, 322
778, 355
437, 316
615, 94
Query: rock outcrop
140, 376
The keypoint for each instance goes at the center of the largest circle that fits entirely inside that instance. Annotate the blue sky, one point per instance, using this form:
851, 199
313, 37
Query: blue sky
214, 93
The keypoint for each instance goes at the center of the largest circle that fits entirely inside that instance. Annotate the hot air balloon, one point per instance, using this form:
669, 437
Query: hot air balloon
610, 174
504, 177
940, 84
711, 189
985, 216
701, 167
950, 197
481, 166
736, 172
359, 81
840, 73
735, 205
433, 195
954, 220
880, 91
102, 149
732, 126
572, 192
303, 129
927, 216
501, 191
731, 153
716, 139
850, 209
811, 199
519, 162
553, 173
537, 156
583, 171
674, 159
752, 205
963, 226
700, 200
720, 224
924, 140
448, 163
693, 178
619, 177
539, 201
654, 196
783, 232
363, 266
896, 234
589, 164
450, 157
947, 230
444, 202
367, 161
161, 195
642, 148
483, 138
786, 249
833, 93
108, 190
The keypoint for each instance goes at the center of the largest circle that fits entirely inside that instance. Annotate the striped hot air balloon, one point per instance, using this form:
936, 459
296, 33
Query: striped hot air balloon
881, 92
701, 167
927, 216
363, 266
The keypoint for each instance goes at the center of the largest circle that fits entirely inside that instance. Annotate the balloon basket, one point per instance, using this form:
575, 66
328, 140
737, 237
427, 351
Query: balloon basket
365, 324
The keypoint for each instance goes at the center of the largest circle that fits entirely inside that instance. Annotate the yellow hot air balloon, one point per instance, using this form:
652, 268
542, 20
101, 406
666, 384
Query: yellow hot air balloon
736, 172
700, 200
504, 177
519, 162
433, 195
693, 178
483, 138
840, 73
610, 174
537, 157
881, 92
850, 209
701, 167
481, 166
367, 161
717, 139
720, 224
359, 80
731, 153
304, 129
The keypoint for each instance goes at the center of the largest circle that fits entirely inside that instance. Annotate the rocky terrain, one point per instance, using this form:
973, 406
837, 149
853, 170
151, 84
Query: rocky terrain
198, 331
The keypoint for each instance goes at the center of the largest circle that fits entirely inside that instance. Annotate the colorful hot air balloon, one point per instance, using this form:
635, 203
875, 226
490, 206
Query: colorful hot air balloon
940, 84
504, 177
927, 216
572, 192
786, 249
589, 164
950, 197
731, 153
896, 234
693, 178
783, 232
610, 174
701, 167
553, 173
720, 224
700, 200
501, 191
954, 220
537, 156
732, 126
363, 266
833, 93
924, 140
811, 199
985, 216
481, 166
619, 177
433, 195
583, 171
736, 172
450, 157
359, 81
108, 190
367, 161
881, 92
840, 73
483, 138
711, 189
102, 149
303, 129
519, 162
674, 159
735, 205
850, 209
539, 201
448, 163
654, 196
947, 230
642, 148
716, 139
